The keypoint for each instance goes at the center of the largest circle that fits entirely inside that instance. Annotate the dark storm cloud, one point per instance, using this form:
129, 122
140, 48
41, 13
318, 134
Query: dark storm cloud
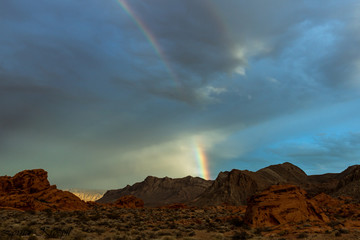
82, 88
206, 41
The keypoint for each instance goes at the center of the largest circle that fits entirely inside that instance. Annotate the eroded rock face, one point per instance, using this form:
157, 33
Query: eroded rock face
31, 190
28, 181
282, 204
129, 201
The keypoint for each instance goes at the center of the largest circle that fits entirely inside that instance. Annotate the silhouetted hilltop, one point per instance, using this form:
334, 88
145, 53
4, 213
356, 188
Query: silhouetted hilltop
161, 191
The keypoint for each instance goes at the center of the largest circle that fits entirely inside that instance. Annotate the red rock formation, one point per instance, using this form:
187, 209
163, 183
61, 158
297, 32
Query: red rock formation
129, 201
31, 190
282, 204
175, 206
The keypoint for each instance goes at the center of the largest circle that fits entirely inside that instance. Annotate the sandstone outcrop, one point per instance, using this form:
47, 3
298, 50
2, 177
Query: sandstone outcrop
129, 201
31, 190
282, 204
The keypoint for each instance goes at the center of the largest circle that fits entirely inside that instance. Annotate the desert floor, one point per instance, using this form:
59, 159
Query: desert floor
157, 223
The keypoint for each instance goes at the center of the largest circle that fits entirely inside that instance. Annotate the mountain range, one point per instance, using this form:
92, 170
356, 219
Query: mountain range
235, 187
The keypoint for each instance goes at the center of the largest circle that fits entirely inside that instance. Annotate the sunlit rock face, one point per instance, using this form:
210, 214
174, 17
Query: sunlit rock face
87, 195
282, 204
31, 190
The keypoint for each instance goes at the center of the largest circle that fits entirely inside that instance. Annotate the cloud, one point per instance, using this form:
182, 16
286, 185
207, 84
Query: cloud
82, 87
335, 151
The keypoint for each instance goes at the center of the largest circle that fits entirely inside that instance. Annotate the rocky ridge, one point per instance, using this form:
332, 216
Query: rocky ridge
235, 187
161, 191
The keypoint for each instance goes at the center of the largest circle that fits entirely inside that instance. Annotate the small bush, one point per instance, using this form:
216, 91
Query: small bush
343, 230
236, 222
240, 236
333, 224
302, 235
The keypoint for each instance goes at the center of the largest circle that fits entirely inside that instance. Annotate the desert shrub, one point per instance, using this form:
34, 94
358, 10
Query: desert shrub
31, 212
240, 236
99, 230
104, 223
236, 222
262, 229
217, 236
79, 236
48, 212
126, 237
333, 223
112, 215
164, 233
168, 238
156, 229
31, 223
283, 233
24, 231
344, 230
302, 235
117, 238
151, 235
81, 216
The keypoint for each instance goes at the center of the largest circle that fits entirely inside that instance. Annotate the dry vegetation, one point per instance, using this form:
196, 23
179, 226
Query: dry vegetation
154, 223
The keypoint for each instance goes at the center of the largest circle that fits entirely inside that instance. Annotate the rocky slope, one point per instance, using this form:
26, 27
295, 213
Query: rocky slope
161, 191
236, 186
346, 183
31, 190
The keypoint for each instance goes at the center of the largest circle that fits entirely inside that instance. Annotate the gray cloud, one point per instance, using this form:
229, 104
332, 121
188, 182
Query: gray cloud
82, 88
330, 150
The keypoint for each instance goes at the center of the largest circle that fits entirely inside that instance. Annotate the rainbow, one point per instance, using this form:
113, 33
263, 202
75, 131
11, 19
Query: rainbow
211, 7
202, 161
150, 37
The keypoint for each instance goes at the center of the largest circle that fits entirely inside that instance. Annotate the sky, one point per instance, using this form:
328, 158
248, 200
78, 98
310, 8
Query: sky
103, 93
